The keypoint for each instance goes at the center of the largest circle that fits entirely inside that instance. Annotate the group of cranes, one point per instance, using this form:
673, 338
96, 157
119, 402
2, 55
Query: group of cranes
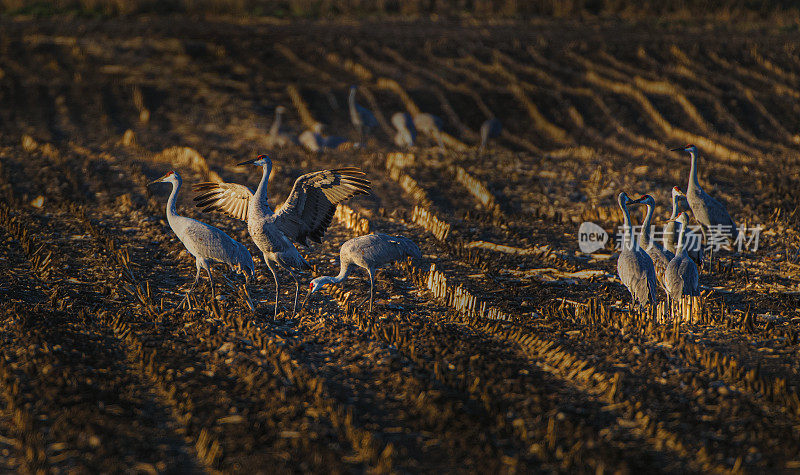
303, 217
644, 264
364, 122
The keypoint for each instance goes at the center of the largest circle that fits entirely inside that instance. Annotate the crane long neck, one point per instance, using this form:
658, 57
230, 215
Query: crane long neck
260, 199
172, 211
645, 231
352, 99
628, 230
693, 181
344, 271
674, 208
679, 248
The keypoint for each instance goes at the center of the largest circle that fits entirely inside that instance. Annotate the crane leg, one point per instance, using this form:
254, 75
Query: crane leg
211, 283
191, 289
371, 287
296, 292
274, 276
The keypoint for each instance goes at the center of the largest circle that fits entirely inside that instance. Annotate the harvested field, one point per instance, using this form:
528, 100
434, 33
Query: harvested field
505, 350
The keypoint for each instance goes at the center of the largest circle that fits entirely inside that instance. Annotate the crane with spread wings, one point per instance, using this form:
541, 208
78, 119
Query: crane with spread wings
303, 217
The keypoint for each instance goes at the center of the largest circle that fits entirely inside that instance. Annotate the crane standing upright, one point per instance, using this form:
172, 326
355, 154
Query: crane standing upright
305, 215
706, 210
658, 255
278, 138
634, 266
681, 277
369, 252
205, 242
363, 120
694, 248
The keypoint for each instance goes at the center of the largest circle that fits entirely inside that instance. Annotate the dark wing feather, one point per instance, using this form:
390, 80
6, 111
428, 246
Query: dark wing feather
231, 198
308, 211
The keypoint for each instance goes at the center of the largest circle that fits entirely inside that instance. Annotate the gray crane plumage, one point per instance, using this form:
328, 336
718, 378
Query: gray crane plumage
490, 129
363, 120
672, 228
682, 277
634, 266
660, 256
205, 242
406, 132
706, 210
303, 217
430, 125
369, 252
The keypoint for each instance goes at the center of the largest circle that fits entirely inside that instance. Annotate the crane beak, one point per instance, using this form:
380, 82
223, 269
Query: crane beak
158, 180
638, 200
679, 149
247, 162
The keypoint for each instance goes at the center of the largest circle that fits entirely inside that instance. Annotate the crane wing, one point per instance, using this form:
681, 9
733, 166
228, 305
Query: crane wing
231, 198
308, 210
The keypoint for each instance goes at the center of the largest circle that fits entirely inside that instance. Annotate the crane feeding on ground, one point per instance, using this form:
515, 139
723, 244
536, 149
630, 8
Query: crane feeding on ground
305, 215
706, 210
369, 252
406, 132
681, 276
430, 125
205, 242
634, 266
363, 120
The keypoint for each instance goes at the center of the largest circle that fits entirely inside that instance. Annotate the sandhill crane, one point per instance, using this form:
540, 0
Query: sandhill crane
277, 138
634, 266
489, 130
658, 255
681, 276
670, 231
369, 252
304, 216
406, 132
362, 119
205, 242
672, 228
430, 125
706, 210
